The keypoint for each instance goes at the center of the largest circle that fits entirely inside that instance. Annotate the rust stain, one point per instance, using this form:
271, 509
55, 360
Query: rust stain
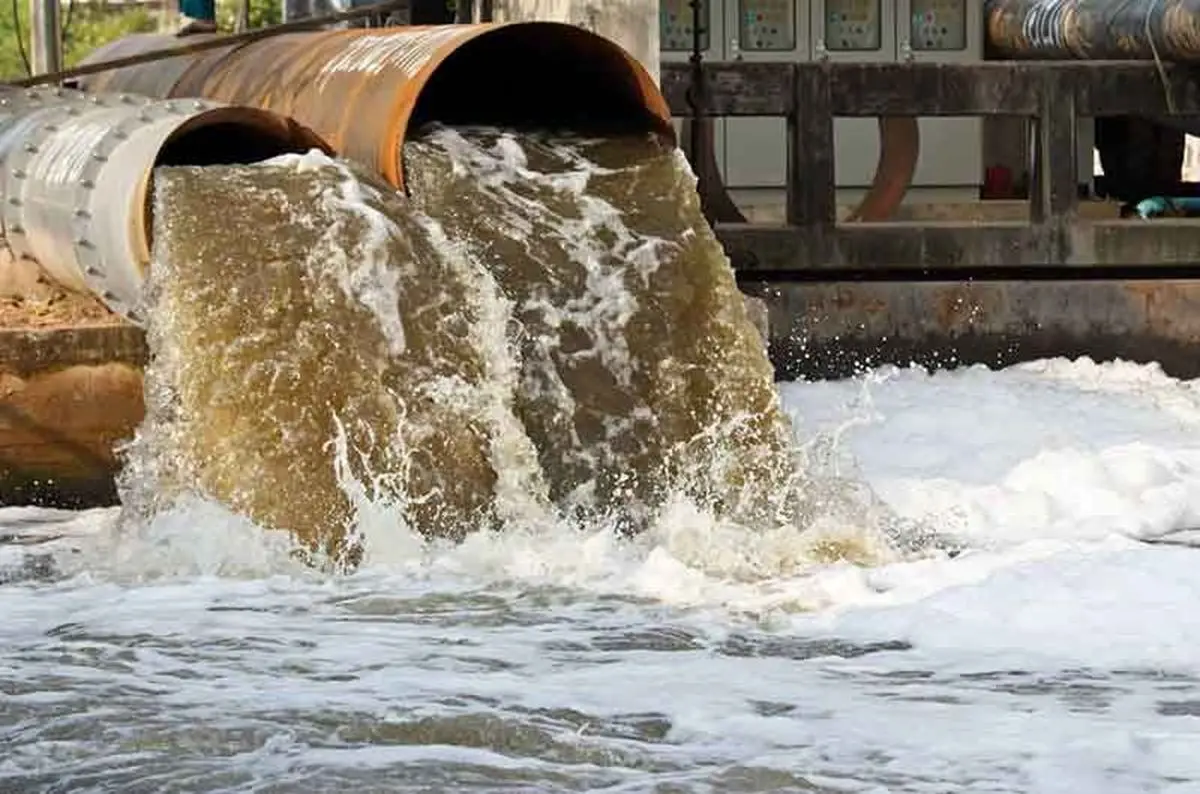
899, 150
1171, 309
360, 89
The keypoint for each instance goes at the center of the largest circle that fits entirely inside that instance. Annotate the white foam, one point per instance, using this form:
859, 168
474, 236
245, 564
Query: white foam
1056, 654
312, 160
1052, 449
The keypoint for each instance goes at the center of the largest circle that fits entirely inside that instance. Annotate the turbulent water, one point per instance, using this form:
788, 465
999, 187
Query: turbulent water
474, 396
548, 330
314, 350
640, 372
1055, 655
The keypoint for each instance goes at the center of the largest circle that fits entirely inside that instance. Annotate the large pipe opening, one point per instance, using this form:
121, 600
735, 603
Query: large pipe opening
542, 75
364, 91
236, 136
225, 136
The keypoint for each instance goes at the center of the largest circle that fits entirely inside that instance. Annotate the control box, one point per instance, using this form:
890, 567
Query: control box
938, 26
751, 152
767, 25
853, 25
675, 25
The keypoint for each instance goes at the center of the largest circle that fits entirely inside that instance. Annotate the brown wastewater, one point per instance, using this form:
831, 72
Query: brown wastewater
546, 330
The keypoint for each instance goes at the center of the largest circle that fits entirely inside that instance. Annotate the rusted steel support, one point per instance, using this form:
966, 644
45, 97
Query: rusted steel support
899, 150
698, 139
1166, 30
364, 90
806, 97
811, 197
1054, 193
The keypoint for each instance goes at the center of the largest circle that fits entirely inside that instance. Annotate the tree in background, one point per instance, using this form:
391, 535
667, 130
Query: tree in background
262, 13
86, 26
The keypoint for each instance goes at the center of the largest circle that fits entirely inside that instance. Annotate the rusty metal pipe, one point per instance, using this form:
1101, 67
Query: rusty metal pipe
1168, 30
154, 79
899, 149
364, 91
194, 43
77, 168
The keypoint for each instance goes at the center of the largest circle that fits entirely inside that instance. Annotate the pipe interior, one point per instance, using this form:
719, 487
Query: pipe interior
226, 143
537, 76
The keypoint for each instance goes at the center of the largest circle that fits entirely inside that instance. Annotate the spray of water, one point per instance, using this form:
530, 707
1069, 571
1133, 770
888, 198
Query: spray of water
315, 350
642, 377
546, 339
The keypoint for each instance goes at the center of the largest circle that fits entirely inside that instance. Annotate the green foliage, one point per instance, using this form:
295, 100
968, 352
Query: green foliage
91, 26
262, 13
85, 27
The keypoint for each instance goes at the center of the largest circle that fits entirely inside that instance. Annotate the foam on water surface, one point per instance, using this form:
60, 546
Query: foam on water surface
1057, 659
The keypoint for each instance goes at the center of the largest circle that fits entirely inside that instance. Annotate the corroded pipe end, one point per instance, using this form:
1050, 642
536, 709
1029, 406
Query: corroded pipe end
366, 90
540, 75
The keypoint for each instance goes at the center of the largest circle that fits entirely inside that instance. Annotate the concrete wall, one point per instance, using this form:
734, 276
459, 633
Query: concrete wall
833, 330
631, 23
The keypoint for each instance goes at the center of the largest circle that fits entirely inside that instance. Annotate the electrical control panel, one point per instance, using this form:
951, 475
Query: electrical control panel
853, 25
675, 25
767, 25
938, 25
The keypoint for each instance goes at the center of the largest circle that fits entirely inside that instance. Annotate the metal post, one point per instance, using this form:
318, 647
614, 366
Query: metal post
296, 9
46, 36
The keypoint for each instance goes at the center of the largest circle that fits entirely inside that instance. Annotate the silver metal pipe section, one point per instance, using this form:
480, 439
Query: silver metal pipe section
1166, 30
45, 31
76, 172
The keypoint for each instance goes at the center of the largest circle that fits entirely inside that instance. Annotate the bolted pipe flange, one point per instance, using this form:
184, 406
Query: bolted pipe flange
102, 277
18, 135
74, 173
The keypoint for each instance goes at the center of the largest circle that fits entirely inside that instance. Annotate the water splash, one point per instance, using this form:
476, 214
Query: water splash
546, 340
642, 376
315, 352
